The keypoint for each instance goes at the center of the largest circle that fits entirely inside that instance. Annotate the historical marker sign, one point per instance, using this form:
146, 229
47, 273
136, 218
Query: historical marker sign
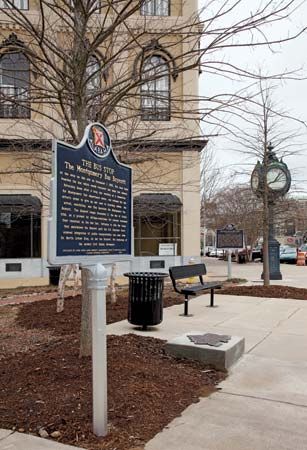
230, 238
91, 207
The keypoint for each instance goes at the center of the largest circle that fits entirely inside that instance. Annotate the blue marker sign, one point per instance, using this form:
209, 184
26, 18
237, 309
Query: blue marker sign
91, 202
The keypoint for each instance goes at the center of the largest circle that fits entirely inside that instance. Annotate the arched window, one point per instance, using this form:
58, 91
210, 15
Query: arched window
18, 4
14, 85
155, 90
92, 81
155, 8
93, 85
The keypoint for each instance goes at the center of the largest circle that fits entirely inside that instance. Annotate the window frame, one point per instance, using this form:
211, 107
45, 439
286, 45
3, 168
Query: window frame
155, 8
165, 217
94, 76
155, 112
97, 8
18, 107
33, 220
95, 105
5, 5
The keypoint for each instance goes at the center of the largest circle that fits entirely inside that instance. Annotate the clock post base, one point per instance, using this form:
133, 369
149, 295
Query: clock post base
273, 276
274, 260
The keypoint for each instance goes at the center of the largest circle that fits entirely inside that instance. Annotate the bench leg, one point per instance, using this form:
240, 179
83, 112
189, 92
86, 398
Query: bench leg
212, 305
186, 307
212, 298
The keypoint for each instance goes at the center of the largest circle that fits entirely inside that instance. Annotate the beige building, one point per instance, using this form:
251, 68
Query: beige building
147, 97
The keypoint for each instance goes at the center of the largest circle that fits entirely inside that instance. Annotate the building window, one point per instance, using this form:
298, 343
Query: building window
18, 4
94, 6
14, 85
93, 87
155, 8
157, 220
151, 231
155, 90
20, 226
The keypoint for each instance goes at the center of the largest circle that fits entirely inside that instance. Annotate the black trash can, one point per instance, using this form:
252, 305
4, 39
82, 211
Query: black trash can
145, 305
54, 275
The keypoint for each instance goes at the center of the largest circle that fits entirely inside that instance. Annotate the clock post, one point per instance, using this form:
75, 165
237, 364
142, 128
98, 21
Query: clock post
274, 178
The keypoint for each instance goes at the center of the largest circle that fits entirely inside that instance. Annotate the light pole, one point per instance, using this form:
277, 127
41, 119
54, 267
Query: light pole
270, 180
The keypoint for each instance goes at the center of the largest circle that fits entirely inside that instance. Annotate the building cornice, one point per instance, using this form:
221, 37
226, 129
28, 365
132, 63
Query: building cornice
162, 145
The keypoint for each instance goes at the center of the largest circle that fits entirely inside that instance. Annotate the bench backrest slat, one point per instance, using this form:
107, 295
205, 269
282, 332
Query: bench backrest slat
190, 270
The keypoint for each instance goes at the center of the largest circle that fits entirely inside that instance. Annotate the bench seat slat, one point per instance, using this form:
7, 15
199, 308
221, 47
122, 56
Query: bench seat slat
200, 287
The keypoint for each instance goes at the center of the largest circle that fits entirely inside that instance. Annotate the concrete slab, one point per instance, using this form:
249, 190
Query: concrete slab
286, 347
231, 422
268, 378
296, 324
173, 324
266, 317
232, 312
20, 441
222, 357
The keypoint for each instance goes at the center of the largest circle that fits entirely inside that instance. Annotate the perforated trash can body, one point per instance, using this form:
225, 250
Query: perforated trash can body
145, 304
54, 275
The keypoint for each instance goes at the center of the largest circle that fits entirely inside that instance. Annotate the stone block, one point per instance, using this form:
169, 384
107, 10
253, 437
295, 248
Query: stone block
222, 357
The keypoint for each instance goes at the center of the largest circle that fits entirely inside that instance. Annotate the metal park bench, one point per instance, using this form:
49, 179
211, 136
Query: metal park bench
190, 271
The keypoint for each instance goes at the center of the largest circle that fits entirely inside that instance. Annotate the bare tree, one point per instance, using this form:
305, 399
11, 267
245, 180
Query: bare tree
236, 204
265, 122
96, 61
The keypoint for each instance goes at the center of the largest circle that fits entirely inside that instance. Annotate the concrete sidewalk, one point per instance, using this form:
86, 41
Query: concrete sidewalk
262, 405
292, 275
11, 440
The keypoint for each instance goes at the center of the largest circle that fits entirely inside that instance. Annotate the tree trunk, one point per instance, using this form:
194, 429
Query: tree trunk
266, 224
112, 283
64, 275
80, 58
265, 254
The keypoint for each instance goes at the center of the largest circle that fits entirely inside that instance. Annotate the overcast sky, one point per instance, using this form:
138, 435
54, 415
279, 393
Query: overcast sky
291, 95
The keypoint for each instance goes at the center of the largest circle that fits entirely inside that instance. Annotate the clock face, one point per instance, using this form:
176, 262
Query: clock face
255, 181
276, 179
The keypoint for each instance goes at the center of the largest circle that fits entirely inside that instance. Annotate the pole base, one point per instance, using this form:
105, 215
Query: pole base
273, 276
213, 306
186, 315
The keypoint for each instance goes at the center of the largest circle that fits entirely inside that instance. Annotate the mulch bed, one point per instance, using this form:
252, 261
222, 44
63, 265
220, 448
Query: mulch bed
272, 291
44, 383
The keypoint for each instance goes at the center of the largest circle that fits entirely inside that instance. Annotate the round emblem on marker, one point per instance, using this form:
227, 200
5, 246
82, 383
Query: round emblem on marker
99, 141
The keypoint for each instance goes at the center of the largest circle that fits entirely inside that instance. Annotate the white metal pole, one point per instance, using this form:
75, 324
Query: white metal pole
97, 285
229, 265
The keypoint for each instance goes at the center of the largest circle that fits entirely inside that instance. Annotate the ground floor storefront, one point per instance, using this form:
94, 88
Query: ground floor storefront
158, 226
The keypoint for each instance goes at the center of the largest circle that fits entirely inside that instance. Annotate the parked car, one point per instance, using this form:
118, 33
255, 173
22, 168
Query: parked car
217, 252
282, 248
220, 253
288, 255
243, 254
208, 250
303, 248
257, 253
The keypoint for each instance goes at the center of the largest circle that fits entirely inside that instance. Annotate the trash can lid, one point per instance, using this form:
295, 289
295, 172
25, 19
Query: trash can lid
146, 274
